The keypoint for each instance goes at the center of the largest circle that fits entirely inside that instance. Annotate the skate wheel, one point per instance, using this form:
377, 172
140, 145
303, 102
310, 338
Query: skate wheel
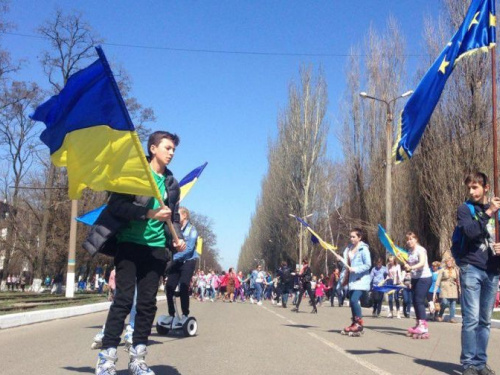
190, 327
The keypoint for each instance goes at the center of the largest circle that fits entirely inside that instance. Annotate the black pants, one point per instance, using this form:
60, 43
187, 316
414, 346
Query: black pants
378, 297
306, 286
181, 274
133, 263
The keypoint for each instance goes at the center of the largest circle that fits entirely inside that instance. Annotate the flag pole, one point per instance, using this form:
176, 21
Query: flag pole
135, 138
495, 140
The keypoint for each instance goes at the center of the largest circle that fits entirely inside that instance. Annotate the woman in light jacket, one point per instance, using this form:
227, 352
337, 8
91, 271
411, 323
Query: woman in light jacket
358, 260
448, 281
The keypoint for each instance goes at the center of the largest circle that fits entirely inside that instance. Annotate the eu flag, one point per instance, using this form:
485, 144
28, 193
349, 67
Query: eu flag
477, 33
89, 131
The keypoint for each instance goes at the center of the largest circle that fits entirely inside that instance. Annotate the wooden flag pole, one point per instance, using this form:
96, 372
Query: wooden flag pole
495, 141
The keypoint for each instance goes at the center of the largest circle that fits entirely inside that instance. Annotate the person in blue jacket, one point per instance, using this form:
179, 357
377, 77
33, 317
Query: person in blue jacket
358, 260
182, 269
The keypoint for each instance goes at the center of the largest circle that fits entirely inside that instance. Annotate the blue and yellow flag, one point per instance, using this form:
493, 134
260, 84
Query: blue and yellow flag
477, 33
398, 252
199, 245
187, 182
315, 238
89, 131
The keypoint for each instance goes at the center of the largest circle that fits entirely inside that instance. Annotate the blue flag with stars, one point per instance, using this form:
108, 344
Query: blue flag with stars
477, 33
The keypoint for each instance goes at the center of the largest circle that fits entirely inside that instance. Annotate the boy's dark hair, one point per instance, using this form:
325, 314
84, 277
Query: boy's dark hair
156, 137
476, 177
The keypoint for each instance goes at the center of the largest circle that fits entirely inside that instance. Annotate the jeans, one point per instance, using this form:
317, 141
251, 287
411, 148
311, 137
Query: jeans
135, 265
133, 310
479, 290
420, 288
407, 298
306, 287
180, 274
448, 302
258, 291
354, 297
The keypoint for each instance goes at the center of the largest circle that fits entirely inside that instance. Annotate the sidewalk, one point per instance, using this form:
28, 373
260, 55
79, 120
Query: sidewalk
31, 317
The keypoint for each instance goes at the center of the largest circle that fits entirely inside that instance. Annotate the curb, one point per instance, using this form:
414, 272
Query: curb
32, 317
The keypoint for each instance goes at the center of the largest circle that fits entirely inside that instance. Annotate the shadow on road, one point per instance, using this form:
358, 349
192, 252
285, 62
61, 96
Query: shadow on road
444, 367
165, 370
388, 330
86, 369
158, 370
379, 351
298, 326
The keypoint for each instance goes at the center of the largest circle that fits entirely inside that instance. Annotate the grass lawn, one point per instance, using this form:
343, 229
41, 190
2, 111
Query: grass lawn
11, 302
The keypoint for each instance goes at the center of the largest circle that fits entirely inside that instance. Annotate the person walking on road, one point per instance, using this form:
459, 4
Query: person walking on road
448, 282
305, 281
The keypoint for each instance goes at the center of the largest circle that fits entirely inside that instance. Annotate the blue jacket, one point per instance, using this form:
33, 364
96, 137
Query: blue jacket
190, 236
359, 278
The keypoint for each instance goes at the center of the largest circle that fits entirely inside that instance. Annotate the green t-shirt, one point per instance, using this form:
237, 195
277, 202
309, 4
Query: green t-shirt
149, 232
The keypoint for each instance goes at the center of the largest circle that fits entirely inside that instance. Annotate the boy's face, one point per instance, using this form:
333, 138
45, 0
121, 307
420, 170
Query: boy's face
477, 192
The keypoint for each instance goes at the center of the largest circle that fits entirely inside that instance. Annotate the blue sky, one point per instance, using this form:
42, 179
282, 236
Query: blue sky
224, 106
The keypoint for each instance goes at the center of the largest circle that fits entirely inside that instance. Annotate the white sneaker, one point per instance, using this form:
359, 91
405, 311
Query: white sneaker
398, 315
389, 315
259, 303
106, 362
252, 300
179, 322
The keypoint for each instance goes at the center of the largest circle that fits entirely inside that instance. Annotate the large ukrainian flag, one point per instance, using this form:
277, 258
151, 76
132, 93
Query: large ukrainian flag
477, 33
89, 131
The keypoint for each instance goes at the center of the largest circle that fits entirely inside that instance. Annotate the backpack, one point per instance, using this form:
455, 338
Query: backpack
458, 238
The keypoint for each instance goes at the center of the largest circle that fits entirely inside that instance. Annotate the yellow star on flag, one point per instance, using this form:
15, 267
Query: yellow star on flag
444, 64
493, 20
474, 21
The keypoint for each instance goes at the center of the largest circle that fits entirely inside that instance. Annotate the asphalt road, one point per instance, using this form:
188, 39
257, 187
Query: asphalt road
241, 338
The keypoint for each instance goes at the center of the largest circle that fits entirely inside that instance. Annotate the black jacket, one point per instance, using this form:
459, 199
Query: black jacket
123, 208
476, 247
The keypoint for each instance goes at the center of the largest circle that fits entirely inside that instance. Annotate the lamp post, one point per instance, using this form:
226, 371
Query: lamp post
388, 154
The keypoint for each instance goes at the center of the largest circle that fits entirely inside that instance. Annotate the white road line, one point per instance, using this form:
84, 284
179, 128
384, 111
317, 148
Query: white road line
337, 348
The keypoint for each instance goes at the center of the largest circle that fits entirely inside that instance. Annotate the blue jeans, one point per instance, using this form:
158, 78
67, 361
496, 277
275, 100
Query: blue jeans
258, 291
407, 298
354, 297
479, 290
448, 302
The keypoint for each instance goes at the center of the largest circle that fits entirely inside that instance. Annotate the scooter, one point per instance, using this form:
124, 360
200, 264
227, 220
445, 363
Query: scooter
166, 323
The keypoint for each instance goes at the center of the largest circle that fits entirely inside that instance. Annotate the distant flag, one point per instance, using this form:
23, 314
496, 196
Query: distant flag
315, 238
477, 33
398, 252
90, 217
89, 131
199, 245
387, 288
187, 182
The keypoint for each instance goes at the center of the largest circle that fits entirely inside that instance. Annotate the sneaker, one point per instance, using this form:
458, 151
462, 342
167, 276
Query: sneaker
486, 370
453, 321
398, 315
137, 364
252, 300
106, 362
390, 314
259, 303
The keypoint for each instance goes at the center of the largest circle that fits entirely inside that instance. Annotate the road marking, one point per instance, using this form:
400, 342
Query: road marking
335, 347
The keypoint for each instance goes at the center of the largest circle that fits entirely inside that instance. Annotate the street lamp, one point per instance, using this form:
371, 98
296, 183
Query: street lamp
388, 155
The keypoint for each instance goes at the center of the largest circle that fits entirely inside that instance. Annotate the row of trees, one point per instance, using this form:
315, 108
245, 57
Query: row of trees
350, 192
36, 224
